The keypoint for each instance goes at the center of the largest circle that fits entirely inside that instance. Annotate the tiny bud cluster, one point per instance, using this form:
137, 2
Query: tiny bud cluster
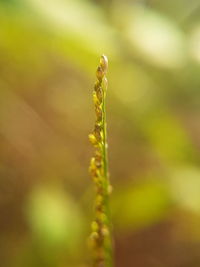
100, 229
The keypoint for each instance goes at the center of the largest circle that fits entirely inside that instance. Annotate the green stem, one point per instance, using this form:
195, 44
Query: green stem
108, 248
101, 236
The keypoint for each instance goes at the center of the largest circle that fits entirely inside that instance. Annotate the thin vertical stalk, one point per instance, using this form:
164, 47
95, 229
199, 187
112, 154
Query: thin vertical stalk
101, 236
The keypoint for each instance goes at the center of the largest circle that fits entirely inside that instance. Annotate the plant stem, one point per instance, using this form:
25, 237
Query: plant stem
101, 227
107, 182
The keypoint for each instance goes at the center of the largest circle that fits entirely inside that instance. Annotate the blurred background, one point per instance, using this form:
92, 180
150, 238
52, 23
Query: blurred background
49, 51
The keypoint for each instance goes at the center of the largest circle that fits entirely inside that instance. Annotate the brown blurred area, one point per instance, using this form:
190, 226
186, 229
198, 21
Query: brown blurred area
49, 51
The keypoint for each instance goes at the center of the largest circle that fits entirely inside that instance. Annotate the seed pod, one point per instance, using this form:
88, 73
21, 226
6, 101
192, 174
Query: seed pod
104, 63
99, 200
98, 155
94, 236
99, 73
99, 94
97, 132
95, 99
97, 85
105, 231
92, 167
98, 163
92, 139
94, 226
98, 111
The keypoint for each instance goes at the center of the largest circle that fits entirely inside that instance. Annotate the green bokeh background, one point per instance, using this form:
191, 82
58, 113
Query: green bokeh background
49, 51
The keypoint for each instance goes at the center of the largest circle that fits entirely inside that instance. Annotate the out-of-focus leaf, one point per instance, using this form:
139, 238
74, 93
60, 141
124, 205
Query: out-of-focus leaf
168, 137
194, 43
54, 217
137, 206
79, 22
185, 188
157, 39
